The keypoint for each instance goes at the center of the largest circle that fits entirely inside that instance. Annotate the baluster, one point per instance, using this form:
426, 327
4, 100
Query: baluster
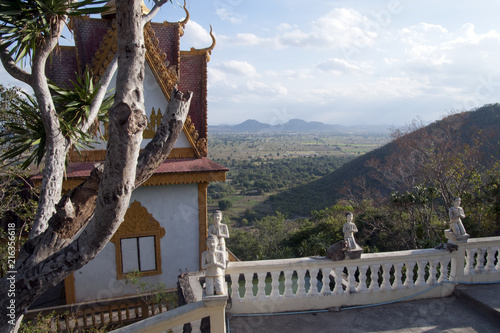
398, 276
351, 279
480, 260
497, 266
386, 277
325, 288
362, 279
490, 259
374, 286
313, 289
261, 291
443, 270
432, 272
338, 290
410, 266
249, 286
301, 283
469, 262
235, 286
275, 285
421, 273
196, 326
288, 284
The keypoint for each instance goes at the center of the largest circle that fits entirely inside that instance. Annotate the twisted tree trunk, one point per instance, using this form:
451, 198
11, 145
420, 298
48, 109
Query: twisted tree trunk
97, 207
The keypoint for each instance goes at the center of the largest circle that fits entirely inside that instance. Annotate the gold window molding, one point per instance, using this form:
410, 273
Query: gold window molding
138, 222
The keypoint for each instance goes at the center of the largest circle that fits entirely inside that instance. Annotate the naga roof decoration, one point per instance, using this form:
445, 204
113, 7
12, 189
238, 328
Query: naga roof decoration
182, 23
206, 51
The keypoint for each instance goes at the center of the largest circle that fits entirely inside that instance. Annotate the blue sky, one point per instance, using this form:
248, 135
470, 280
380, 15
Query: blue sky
344, 62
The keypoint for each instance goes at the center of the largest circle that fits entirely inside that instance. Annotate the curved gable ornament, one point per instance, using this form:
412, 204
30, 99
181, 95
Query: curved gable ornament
206, 51
138, 221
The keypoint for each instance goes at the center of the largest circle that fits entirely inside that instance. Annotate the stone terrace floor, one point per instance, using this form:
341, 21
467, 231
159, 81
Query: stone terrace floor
473, 308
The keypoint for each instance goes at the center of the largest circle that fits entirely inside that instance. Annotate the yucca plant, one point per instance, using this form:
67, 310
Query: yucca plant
24, 133
25, 24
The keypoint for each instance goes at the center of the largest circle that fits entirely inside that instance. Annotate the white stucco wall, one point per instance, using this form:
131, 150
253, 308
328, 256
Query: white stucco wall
153, 98
176, 208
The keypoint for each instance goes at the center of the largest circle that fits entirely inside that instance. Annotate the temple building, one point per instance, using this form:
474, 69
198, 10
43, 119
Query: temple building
165, 227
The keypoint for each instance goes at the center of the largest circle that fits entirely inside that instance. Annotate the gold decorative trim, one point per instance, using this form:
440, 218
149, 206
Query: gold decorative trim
182, 153
165, 75
69, 289
194, 138
203, 219
154, 122
206, 51
159, 179
185, 178
138, 222
105, 53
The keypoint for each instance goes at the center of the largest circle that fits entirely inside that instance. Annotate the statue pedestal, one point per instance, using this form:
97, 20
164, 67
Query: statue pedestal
339, 251
353, 254
454, 239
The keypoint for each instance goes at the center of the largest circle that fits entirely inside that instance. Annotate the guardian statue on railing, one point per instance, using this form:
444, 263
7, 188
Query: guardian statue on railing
456, 234
220, 231
213, 262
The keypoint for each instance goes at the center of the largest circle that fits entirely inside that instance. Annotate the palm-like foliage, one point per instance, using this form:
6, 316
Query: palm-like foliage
24, 134
25, 24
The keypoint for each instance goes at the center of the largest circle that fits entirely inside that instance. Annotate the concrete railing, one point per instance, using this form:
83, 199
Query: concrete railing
316, 283
174, 320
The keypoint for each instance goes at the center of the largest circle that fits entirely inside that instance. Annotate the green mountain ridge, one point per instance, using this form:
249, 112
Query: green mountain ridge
325, 192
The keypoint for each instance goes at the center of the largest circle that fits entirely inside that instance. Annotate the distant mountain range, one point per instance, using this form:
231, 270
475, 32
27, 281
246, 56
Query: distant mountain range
298, 126
326, 191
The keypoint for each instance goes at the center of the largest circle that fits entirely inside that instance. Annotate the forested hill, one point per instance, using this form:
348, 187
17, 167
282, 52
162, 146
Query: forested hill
467, 142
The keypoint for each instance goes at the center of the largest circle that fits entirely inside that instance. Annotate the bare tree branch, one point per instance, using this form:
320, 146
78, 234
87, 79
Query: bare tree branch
103, 88
154, 11
11, 67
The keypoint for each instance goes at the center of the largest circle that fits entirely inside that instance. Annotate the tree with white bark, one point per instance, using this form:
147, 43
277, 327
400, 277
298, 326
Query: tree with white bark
69, 231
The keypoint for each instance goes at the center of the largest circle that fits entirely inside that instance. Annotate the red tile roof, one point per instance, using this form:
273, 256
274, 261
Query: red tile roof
183, 165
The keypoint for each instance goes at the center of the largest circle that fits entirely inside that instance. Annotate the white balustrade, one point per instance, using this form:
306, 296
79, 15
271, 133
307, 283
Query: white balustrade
316, 283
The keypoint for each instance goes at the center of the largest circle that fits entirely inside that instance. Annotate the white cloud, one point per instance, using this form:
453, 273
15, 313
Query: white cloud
195, 36
226, 14
261, 88
235, 67
341, 27
337, 66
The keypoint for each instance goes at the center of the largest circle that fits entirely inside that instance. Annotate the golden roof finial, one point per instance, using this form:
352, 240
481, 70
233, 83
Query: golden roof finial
211, 47
183, 22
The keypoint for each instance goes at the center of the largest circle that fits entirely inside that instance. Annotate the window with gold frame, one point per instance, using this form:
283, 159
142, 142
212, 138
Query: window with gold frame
137, 243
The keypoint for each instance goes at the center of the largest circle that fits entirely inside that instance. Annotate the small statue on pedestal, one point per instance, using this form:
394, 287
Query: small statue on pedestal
349, 229
214, 262
220, 231
353, 249
347, 248
456, 233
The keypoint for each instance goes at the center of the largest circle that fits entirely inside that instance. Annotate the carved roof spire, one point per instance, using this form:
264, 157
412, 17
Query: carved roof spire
183, 22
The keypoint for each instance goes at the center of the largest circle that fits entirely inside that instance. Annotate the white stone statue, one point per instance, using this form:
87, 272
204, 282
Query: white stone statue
219, 230
349, 229
456, 233
213, 262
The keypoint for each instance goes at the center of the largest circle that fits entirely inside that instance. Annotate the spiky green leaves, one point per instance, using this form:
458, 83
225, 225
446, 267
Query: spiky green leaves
23, 137
25, 24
